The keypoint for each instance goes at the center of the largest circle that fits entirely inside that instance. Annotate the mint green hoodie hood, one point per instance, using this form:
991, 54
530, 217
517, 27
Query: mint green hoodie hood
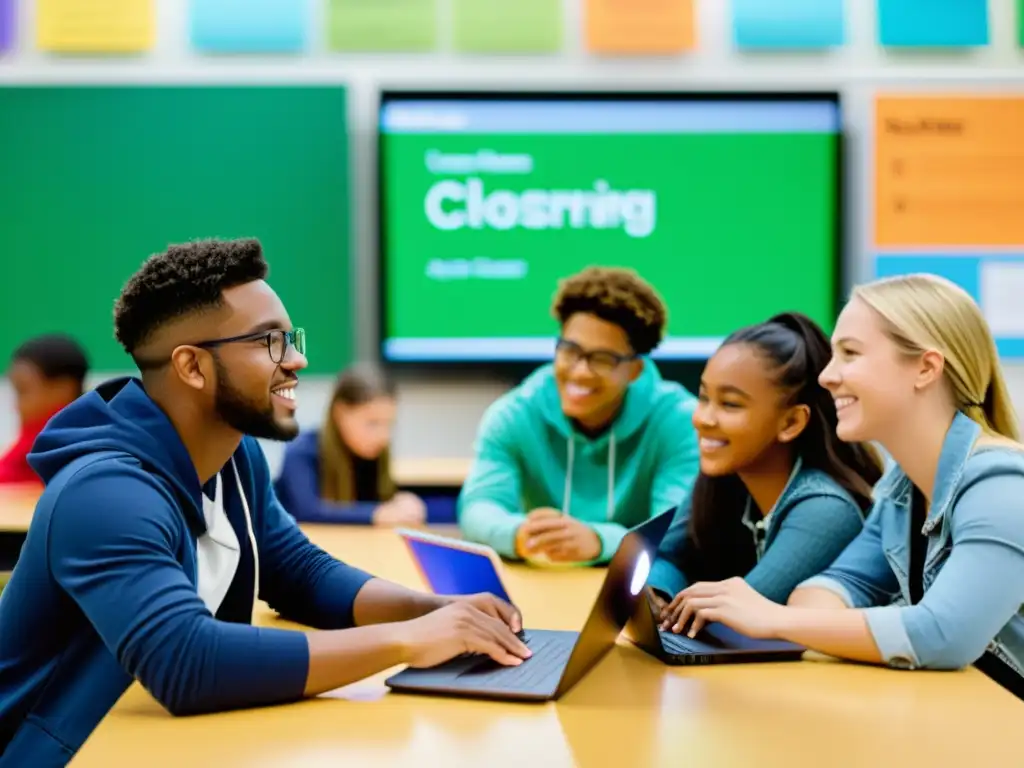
528, 455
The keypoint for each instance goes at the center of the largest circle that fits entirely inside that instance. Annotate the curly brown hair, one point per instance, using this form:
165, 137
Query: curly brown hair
618, 296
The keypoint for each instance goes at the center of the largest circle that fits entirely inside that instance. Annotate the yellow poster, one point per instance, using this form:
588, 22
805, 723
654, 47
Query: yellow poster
96, 26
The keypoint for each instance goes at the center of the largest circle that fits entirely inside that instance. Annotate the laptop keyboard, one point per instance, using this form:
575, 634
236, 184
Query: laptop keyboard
551, 652
674, 643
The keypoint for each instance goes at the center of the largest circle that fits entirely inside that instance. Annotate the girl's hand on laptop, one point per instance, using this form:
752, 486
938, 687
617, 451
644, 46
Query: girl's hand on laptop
455, 629
732, 602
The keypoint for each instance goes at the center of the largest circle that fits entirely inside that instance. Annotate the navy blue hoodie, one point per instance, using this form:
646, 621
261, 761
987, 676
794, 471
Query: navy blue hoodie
105, 588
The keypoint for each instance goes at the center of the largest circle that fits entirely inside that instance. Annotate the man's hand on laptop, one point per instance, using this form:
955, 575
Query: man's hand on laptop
457, 628
492, 606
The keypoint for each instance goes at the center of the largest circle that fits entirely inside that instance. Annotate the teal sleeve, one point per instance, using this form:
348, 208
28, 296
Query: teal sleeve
611, 535
679, 459
490, 507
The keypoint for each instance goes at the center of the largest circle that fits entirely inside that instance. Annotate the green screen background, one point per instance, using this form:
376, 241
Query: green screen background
746, 227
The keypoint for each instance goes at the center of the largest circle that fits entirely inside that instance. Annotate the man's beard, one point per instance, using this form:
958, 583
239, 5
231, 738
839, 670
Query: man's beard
247, 416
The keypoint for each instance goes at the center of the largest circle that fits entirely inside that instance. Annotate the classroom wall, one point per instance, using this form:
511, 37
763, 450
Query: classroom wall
438, 415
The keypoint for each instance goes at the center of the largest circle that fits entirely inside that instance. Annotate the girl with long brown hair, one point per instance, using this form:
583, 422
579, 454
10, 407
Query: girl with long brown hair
342, 472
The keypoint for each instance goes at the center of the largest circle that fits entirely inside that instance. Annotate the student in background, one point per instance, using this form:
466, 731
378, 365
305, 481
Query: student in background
342, 473
779, 496
46, 373
590, 444
936, 578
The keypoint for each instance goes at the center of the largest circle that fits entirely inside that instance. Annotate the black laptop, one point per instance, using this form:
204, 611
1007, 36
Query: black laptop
560, 659
714, 644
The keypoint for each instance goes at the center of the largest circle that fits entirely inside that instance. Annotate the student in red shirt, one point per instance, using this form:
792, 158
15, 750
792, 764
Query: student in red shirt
47, 373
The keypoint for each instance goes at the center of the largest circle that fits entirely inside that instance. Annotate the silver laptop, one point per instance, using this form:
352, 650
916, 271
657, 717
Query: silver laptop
560, 659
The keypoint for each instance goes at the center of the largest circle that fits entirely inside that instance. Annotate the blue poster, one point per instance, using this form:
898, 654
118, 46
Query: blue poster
933, 23
995, 280
249, 26
789, 24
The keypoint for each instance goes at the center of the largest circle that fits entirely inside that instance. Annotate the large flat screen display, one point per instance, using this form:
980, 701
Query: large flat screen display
729, 204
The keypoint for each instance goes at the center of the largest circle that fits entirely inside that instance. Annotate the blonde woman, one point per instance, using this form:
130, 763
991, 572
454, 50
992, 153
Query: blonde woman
342, 473
936, 578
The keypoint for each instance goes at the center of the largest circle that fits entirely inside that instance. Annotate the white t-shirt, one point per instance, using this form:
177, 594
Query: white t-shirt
217, 551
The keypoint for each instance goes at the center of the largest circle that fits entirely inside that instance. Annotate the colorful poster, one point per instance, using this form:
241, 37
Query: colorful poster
501, 26
639, 26
788, 24
949, 192
96, 26
382, 25
933, 23
249, 26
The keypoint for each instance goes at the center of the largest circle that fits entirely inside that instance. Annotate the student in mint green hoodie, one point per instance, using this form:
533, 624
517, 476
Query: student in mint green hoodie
589, 445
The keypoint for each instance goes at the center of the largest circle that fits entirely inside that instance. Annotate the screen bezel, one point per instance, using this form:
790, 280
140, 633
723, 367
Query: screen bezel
678, 368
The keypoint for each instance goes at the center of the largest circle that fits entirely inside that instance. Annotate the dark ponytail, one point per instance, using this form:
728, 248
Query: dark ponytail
797, 351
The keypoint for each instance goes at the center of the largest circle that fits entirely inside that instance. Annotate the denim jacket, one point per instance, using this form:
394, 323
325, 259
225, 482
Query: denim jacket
974, 562
811, 524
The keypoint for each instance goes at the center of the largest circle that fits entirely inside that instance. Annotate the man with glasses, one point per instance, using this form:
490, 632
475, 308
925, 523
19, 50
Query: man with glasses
158, 530
589, 445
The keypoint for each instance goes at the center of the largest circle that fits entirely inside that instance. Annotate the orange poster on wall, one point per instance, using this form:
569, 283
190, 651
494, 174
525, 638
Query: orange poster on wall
639, 26
949, 171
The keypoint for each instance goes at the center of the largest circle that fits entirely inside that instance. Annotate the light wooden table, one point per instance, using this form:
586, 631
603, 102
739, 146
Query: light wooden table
17, 503
441, 472
630, 711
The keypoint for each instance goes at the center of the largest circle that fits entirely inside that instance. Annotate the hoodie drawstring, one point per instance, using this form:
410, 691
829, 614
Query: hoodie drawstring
252, 537
570, 461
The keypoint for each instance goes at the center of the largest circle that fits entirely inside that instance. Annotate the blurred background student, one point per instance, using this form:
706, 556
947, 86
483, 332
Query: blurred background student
46, 373
341, 473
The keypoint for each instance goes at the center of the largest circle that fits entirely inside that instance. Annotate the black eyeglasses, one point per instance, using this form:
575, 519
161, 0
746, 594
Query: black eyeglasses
600, 362
278, 342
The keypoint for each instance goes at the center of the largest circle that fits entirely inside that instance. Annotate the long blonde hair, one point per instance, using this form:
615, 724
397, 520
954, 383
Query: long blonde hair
356, 385
924, 312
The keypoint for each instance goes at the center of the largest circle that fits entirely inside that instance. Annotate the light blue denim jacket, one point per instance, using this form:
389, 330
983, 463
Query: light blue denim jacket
974, 566
811, 524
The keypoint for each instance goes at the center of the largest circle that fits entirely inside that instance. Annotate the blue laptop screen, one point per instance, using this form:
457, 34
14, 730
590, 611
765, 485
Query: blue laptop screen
455, 571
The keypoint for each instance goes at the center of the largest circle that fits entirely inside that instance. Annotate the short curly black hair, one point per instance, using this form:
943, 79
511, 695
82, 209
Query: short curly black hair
186, 278
55, 356
616, 295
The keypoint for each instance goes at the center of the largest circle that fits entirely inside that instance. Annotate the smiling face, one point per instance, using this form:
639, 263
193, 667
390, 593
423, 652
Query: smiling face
742, 416
594, 365
875, 385
254, 394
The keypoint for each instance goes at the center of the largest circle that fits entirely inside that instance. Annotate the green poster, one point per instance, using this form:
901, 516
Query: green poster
508, 26
382, 25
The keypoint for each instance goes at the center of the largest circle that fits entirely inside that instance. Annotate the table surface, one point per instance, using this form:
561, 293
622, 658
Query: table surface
17, 503
426, 471
629, 711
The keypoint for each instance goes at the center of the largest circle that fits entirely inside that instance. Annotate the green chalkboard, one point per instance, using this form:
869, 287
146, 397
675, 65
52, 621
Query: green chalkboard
95, 179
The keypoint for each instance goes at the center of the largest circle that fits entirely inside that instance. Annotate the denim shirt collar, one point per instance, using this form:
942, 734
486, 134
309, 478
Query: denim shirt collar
757, 523
956, 449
